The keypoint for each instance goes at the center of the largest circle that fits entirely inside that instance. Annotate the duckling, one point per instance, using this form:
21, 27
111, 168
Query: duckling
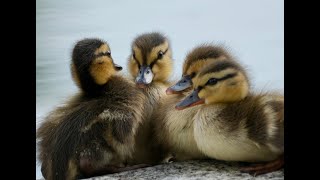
174, 129
150, 66
94, 132
233, 123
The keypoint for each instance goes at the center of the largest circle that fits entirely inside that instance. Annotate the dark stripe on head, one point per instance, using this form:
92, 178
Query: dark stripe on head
204, 52
228, 76
219, 66
146, 42
108, 53
83, 51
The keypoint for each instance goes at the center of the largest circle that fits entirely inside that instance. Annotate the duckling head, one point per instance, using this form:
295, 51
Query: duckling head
151, 59
195, 60
219, 82
92, 64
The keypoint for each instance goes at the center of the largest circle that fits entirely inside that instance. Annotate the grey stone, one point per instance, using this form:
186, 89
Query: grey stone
193, 170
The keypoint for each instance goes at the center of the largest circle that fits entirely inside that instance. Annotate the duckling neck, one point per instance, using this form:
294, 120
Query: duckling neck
92, 89
248, 97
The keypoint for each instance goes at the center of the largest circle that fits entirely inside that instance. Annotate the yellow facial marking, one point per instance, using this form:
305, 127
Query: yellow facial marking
102, 49
229, 90
102, 69
133, 68
162, 70
138, 55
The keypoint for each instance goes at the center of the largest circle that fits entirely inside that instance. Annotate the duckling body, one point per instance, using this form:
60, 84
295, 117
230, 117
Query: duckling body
234, 124
94, 132
242, 131
150, 66
175, 129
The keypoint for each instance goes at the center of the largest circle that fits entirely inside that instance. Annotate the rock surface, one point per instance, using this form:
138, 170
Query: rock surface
200, 169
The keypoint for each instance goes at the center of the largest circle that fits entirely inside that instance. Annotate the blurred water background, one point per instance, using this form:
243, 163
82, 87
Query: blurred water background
253, 30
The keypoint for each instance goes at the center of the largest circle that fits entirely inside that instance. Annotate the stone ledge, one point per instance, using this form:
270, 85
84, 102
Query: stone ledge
199, 169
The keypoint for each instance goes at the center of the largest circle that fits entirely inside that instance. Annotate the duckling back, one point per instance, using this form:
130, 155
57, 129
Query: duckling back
103, 126
97, 128
250, 130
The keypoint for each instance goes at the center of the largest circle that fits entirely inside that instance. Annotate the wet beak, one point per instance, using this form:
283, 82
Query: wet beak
191, 100
144, 77
182, 84
117, 67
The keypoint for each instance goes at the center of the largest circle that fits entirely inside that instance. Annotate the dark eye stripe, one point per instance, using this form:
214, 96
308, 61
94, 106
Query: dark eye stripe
165, 51
192, 75
157, 58
228, 76
108, 53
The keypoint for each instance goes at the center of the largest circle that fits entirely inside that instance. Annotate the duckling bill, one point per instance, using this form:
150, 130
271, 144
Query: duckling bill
182, 84
191, 100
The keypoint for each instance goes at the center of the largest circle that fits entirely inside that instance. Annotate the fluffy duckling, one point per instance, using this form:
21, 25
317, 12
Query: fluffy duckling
93, 133
150, 65
234, 124
174, 129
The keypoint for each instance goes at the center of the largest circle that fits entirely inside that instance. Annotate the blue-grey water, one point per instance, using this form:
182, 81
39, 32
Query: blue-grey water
253, 30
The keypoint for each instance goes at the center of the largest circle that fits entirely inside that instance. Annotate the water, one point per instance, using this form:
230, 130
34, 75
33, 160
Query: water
252, 29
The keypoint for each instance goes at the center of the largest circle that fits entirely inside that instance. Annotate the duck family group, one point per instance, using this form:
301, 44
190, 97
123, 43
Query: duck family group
122, 122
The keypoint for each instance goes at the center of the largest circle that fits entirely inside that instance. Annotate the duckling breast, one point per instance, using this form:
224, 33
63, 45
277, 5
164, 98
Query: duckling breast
176, 130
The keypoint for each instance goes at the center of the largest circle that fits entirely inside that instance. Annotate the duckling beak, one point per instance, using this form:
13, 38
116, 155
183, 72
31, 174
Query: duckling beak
182, 84
191, 100
144, 77
117, 67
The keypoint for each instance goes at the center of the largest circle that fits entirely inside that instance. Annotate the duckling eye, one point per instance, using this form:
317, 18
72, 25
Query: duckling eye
212, 81
193, 75
108, 53
160, 54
